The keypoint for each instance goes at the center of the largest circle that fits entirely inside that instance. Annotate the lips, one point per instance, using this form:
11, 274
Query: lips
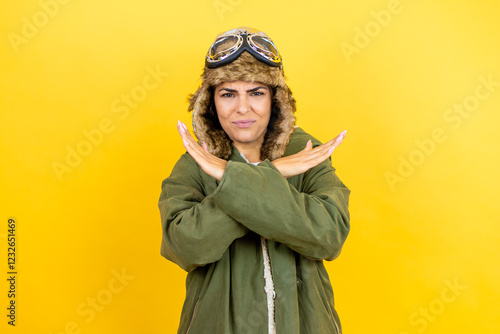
244, 123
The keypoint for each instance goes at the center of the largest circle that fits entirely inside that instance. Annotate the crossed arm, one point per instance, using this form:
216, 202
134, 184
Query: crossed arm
288, 166
198, 228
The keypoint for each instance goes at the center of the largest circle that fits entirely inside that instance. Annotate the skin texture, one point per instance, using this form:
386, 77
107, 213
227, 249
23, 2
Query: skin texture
244, 101
240, 100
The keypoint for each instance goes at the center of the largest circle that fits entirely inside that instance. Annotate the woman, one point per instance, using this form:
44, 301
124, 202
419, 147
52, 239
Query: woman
253, 209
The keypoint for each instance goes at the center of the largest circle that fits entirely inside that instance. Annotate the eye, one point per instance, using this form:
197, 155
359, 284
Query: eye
227, 95
257, 93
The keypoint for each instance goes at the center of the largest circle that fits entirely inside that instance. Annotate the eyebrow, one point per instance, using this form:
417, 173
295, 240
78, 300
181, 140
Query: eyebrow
248, 91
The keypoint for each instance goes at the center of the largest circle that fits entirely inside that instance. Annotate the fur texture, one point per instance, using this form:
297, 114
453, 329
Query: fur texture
245, 68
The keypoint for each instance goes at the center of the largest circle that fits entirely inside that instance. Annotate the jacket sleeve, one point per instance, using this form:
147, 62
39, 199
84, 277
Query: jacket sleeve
313, 222
196, 231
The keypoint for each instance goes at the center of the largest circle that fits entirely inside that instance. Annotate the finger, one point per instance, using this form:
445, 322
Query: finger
308, 154
332, 144
324, 151
340, 139
181, 133
185, 138
187, 135
341, 136
183, 129
308, 146
179, 129
196, 152
328, 145
309, 158
189, 143
199, 153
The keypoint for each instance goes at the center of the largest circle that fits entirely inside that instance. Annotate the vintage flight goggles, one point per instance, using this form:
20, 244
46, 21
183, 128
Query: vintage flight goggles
230, 44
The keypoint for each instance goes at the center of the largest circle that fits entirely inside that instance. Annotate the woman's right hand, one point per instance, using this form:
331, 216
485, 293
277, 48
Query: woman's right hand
308, 158
210, 164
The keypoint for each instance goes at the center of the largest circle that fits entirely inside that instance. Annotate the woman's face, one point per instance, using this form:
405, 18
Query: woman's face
244, 110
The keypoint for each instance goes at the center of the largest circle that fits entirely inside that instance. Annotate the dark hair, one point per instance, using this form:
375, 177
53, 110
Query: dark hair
275, 111
210, 116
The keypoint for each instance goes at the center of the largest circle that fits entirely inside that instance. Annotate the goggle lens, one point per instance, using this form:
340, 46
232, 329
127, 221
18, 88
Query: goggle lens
265, 47
224, 47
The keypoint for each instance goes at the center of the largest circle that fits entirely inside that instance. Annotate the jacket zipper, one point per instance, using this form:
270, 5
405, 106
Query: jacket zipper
334, 321
192, 318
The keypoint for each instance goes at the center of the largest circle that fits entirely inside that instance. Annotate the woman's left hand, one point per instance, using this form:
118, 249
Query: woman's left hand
208, 162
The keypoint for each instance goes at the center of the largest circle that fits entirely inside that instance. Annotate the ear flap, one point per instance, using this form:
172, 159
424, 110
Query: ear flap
218, 143
276, 142
193, 97
198, 104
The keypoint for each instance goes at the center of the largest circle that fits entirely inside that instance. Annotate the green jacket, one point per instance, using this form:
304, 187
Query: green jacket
212, 230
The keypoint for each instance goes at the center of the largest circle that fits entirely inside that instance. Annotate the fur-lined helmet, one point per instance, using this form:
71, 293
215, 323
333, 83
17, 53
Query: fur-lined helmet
243, 54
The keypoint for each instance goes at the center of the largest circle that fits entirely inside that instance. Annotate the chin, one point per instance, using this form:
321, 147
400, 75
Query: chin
245, 139
247, 136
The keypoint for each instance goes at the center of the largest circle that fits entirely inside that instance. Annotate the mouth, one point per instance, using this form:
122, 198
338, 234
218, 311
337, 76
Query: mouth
244, 123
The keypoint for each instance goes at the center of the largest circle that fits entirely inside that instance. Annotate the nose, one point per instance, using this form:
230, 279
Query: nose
243, 104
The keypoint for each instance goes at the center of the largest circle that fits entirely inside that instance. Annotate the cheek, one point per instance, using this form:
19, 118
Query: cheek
221, 110
265, 109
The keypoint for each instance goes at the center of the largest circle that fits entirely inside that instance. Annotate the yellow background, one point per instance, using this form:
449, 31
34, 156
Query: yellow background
434, 225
